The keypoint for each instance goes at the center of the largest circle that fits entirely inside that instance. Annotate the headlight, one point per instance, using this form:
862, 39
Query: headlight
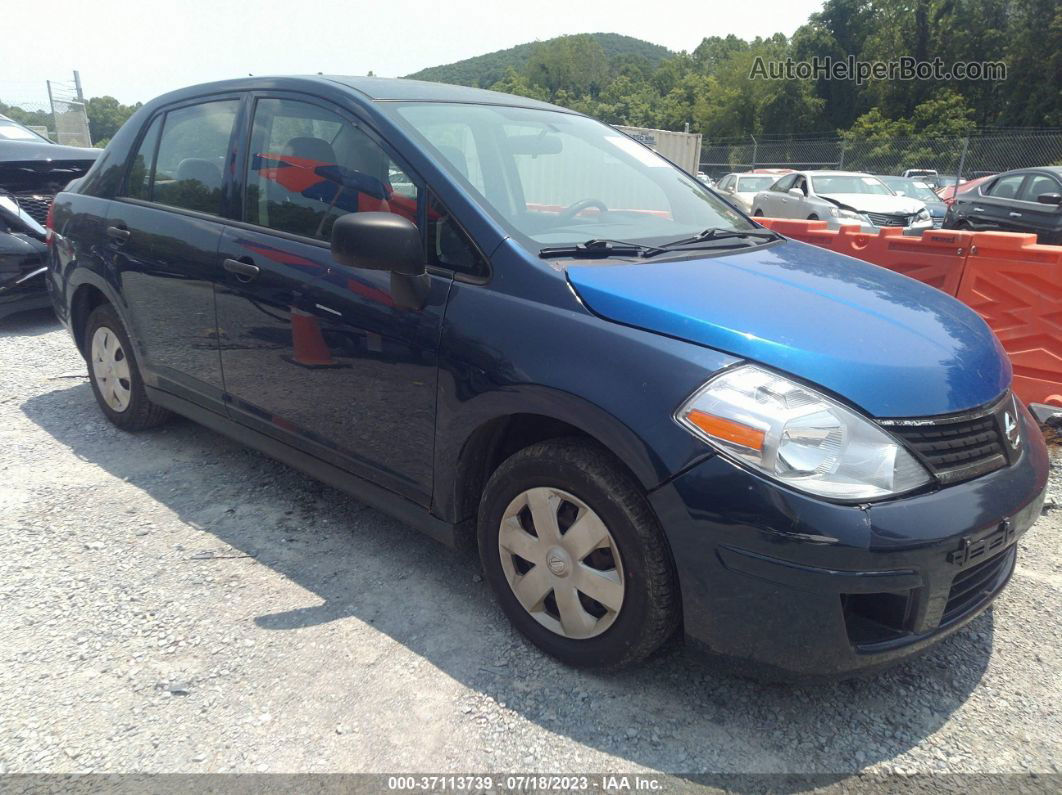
798, 436
837, 212
922, 215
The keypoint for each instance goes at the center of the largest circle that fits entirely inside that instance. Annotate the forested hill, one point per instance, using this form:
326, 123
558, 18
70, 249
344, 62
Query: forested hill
484, 71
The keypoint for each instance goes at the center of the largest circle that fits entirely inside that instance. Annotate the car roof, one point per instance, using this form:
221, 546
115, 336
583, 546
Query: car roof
388, 89
372, 89
837, 173
1055, 170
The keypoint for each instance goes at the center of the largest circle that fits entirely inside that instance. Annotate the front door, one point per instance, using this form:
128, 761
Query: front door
313, 352
162, 240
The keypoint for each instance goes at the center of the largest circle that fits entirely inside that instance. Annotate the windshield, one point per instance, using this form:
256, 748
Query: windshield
10, 131
912, 189
849, 183
754, 184
558, 178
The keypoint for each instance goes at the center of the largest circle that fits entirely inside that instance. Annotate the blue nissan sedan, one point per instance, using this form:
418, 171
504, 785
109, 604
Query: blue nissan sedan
515, 327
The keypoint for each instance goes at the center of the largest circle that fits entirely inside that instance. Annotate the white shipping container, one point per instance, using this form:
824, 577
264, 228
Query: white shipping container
681, 148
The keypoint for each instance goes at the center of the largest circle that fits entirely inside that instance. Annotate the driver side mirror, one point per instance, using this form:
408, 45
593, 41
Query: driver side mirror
796, 192
384, 242
1049, 198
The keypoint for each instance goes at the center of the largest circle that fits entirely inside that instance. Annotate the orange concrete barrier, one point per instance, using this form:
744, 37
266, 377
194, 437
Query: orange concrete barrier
936, 258
1011, 281
1016, 286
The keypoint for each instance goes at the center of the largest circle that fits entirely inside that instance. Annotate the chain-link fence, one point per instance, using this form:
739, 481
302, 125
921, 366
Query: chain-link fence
55, 109
987, 151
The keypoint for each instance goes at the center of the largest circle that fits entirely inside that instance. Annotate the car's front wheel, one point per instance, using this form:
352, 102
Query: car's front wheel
115, 377
576, 556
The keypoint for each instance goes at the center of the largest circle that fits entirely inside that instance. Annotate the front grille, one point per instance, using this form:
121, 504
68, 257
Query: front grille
884, 219
960, 447
974, 586
35, 205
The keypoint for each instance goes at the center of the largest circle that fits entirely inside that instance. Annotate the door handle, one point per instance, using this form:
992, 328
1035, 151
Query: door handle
244, 271
1015, 215
979, 209
119, 234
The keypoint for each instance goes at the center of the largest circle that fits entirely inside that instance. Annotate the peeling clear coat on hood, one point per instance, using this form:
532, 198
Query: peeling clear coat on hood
888, 344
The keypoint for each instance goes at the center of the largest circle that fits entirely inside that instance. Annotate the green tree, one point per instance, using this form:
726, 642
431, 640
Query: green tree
106, 115
574, 64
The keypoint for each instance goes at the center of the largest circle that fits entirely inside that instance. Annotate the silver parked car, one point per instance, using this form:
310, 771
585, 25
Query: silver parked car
840, 197
741, 188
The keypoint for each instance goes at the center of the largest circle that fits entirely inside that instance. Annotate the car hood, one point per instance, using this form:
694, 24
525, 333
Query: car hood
891, 345
33, 151
875, 203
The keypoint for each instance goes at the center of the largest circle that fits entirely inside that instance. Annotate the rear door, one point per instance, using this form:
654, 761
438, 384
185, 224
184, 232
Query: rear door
162, 236
314, 353
996, 208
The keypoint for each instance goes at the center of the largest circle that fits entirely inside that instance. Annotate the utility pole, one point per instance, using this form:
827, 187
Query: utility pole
962, 163
77, 87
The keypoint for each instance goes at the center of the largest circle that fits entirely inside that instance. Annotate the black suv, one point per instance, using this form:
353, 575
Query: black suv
1026, 200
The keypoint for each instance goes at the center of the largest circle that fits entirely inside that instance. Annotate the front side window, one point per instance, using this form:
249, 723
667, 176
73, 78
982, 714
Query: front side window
448, 245
1038, 185
308, 166
559, 178
785, 183
1006, 187
190, 163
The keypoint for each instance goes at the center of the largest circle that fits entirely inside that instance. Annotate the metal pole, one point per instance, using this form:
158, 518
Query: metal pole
755, 146
840, 165
962, 163
77, 86
51, 104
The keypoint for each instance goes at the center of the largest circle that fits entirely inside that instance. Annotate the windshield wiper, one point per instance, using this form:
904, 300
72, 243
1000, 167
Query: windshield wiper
717, 233
598, 249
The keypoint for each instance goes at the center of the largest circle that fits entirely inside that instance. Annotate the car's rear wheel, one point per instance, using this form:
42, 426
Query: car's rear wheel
813, 217
576, 556
757, 214
114, 375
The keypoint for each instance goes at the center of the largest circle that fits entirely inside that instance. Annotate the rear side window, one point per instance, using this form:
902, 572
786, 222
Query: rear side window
181, 159
308, 166
1006, 187
138, 183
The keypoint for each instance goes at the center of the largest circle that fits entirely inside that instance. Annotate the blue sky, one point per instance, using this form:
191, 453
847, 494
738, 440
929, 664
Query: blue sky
137, 49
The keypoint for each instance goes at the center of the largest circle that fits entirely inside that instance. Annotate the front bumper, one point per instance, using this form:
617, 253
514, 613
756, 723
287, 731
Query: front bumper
788, 586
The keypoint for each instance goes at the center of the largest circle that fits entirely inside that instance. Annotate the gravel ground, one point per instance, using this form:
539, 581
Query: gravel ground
173, 602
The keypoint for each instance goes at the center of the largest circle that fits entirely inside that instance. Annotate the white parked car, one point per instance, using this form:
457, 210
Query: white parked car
840, 197
741, 188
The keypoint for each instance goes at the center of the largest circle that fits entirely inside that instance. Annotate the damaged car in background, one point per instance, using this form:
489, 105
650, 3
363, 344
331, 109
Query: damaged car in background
32, 170
841, 197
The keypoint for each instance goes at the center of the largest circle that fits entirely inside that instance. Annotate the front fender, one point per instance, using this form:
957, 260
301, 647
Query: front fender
503, 355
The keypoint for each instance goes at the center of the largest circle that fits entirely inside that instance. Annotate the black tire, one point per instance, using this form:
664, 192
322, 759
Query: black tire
813, 217
758, 214
650, 610
140, 413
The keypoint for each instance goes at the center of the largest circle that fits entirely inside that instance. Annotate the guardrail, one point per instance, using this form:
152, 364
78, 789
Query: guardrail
1010, 280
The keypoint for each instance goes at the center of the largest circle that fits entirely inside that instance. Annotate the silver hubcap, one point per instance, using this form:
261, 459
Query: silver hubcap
561, 562
110, 369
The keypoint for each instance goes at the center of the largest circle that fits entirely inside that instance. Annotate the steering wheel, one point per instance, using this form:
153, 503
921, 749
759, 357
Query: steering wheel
572, 210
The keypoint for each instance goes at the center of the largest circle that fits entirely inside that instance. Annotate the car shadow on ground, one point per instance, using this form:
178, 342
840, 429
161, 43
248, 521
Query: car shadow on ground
31, 323
676, 713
